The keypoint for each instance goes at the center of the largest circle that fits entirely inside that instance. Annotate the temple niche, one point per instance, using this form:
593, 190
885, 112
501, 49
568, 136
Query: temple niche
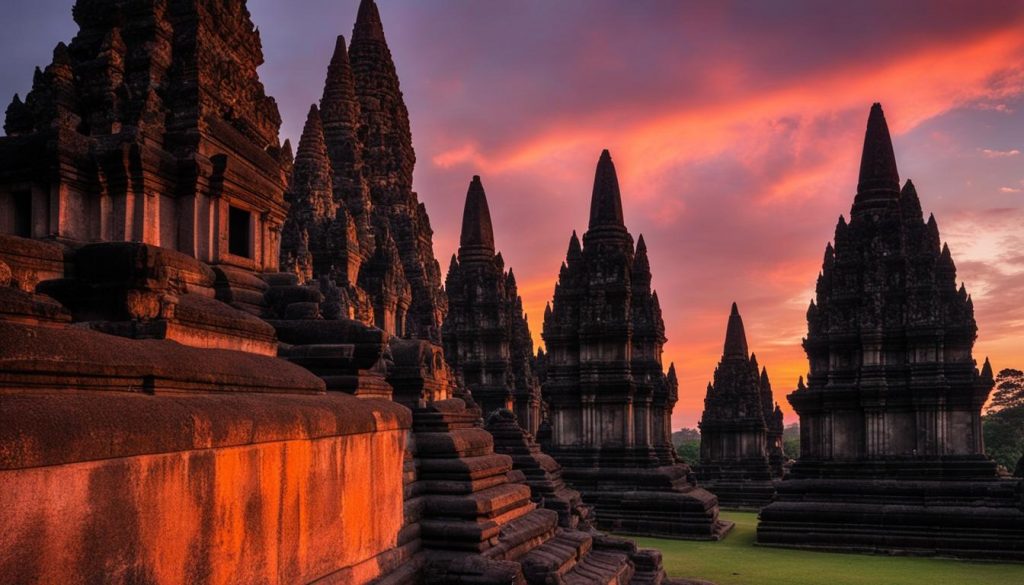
93, 153
610, 400
486, 336
736, 428
891, 410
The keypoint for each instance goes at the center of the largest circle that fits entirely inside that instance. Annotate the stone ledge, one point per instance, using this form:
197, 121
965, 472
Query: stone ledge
73, 395
54, 428
49, 358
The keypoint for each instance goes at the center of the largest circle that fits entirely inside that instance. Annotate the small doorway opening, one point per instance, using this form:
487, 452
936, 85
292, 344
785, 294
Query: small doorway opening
22, 213
239, 232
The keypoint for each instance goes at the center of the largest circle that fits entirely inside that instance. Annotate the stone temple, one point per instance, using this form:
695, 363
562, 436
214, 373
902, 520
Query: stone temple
119, 142
610, 400
183, 401
486, 337
736, 446
891, 451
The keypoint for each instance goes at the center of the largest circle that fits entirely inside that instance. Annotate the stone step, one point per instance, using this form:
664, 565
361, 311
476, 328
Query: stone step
518, 536
601, 567
491, 502
557, 556
463, 469
477, 522
570, 557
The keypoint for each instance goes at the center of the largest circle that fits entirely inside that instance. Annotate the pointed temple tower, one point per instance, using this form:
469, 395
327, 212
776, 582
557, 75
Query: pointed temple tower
387, 165
378, 252
738, 409
486, 337
610, 401
891, 412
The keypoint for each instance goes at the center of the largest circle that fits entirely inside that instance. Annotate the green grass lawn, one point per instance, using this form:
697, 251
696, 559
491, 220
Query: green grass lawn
735, 560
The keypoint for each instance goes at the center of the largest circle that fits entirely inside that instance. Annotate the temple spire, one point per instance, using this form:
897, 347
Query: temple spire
388, 154
735, 336
310, 186
575, 250
368, 24
879, 178
340, 85
339, 110
910, 204
477, 239
606, 201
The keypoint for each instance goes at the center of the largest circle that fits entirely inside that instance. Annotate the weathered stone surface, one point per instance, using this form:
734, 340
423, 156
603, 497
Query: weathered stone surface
891, 454
610, 415
487, 339
20, 306
734, 453
143, 291
30, 261
198, 488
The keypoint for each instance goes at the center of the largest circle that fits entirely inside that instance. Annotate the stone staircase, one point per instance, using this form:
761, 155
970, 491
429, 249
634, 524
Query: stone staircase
479, 523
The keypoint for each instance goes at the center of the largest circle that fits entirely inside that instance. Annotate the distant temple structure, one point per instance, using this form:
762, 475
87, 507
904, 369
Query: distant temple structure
891, 451
486, 337
610, 400
741, 427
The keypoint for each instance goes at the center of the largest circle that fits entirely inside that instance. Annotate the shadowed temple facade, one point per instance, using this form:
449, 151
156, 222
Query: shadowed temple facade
891, 451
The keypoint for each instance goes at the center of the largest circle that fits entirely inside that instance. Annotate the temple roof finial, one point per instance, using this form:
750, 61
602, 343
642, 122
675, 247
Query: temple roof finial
575, 251
368, 24
878, 161
606, 201
735, 336
477, 238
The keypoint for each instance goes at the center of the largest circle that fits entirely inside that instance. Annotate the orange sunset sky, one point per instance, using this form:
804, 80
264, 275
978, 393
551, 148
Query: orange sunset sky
736, 129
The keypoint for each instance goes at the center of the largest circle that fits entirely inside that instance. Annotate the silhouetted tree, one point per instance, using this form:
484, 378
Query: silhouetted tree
1003, 424
1009, 392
